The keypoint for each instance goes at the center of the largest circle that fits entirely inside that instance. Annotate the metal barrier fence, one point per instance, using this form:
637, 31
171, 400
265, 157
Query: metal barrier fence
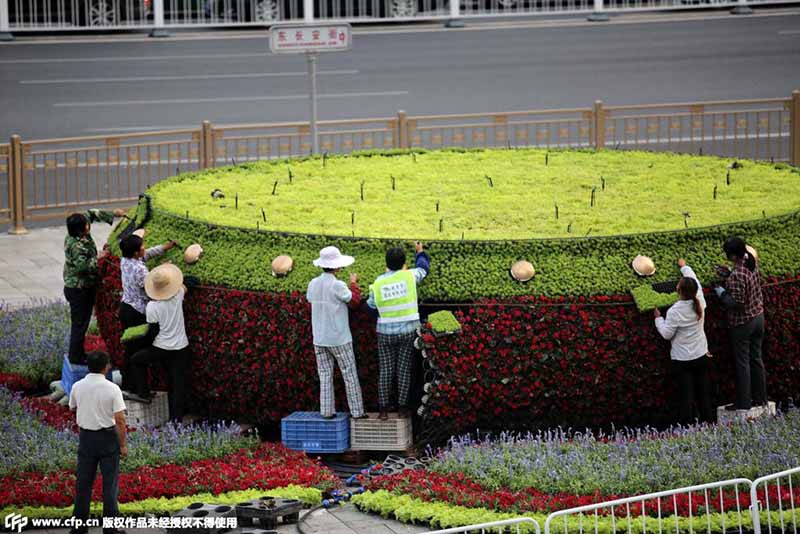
662, 511
495, 526
777, 500
157, 15
44, 178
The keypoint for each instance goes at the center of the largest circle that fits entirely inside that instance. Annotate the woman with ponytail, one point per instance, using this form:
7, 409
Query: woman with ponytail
683, 327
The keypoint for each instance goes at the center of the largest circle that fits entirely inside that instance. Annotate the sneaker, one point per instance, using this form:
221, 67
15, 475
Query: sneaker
331, 416
383, 416
362, 416
127, 395
730, 407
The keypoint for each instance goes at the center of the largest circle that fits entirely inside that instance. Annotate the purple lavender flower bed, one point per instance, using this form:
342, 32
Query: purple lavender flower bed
627, 461
33, 340
29, 445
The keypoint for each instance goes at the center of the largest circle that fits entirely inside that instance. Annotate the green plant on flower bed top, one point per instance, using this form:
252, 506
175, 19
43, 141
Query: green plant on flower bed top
441, 515
167, 506
443, 322
134, 332
486, 194
240, 258
648, 299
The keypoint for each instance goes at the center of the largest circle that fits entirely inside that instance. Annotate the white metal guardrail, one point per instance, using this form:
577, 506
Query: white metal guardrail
767, 505
157, 15
516, 526
774, 502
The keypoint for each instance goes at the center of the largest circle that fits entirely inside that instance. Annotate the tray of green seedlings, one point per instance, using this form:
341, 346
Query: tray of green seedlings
648, 299
444, 323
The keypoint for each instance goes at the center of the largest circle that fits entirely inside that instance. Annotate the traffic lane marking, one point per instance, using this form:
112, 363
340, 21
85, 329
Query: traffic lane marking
259, 98
248, 75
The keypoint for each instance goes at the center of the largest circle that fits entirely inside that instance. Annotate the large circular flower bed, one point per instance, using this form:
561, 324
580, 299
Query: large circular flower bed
567, 347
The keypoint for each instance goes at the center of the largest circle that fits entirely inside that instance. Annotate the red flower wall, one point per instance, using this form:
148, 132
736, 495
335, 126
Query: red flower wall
515, 364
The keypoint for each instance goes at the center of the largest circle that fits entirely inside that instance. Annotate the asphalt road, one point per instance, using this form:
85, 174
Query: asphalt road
71, 88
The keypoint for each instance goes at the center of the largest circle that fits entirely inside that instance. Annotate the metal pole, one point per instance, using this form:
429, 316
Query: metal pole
158, 20
455, 14
312, 77
794, 124
598, 15
308, 11
5, 29
16, 169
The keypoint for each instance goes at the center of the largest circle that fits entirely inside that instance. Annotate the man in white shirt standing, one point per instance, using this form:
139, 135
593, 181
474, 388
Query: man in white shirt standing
330, 325
103, 439
164, 286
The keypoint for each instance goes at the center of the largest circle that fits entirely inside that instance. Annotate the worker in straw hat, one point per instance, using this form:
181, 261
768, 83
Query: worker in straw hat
164, 286
329, 298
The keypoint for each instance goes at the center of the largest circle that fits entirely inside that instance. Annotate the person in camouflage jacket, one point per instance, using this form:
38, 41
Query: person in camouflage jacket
80, 275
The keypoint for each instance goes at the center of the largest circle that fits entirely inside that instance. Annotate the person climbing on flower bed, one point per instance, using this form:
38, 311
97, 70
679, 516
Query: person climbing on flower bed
80, 275
742, 297
164, 285
134, 298
684, 328
330, 327
394, 295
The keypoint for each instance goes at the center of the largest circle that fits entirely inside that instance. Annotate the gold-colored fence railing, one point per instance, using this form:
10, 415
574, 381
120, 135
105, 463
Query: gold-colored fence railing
753, 129
552, 128
6, 194
45, 178
250, 142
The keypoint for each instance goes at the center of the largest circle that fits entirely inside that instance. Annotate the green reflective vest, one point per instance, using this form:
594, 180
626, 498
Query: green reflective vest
396, 297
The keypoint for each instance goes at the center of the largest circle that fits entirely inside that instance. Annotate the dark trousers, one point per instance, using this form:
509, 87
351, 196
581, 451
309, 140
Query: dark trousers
395, 357
98, 447
751, 377
129, 317
176, 363
81, 302
691, 378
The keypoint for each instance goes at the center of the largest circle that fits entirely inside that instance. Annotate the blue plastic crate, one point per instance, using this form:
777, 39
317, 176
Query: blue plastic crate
309, 432
72, 372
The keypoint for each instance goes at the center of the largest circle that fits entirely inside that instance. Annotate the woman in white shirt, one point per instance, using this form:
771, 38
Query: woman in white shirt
684, 328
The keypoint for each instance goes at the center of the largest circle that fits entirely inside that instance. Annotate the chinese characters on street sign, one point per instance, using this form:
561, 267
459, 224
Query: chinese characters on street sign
288, 39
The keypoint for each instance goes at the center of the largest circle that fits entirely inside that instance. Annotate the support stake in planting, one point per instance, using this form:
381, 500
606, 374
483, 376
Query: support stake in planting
324, 159
236, 201
263, 214
274, 187
546, 158
441, 225
715, 191
728, 178
594, 192
393, 185
437, 206
602, 183
362, 190
489, 178
290, 175
556, 206
686, 219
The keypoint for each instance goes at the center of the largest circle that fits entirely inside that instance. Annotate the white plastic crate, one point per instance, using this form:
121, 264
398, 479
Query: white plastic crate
726, 416
372, 434
154, 414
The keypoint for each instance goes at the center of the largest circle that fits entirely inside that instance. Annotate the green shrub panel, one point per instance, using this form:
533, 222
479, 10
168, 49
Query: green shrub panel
648, 299
240, 258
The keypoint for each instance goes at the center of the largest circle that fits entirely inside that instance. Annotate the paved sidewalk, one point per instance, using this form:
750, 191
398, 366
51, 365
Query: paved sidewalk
30, 271
342, 520
31, 264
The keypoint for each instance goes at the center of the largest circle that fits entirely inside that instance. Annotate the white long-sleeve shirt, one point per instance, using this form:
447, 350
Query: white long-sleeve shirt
681, 326
330, 322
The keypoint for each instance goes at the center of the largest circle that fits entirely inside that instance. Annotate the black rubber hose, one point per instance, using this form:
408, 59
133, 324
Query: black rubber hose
302, 520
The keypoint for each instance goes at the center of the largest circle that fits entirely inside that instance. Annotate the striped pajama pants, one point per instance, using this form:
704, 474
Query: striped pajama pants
395, 356
346, 359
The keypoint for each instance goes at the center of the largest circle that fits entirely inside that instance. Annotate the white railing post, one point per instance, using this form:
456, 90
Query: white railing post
599, 14
455, 15
308, 11
5, 29
742, 8
158, 20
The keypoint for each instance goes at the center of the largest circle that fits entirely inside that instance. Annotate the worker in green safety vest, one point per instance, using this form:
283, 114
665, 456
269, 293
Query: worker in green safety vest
394, 296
